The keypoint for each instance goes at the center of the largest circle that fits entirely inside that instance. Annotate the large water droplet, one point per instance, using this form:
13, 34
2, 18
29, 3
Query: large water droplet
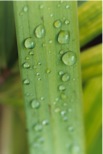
63, 37
35, 104
57, 24
26, 82
26, 65
69, 58
29, 43
61, 87
65, 77
40, 31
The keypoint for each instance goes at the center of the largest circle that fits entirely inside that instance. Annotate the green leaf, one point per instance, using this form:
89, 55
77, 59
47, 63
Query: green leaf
49, 54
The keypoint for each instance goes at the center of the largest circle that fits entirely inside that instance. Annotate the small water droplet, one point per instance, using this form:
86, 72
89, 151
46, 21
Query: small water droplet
39, 79
57, 110
65, 118
29, 43
50, 41
35, 104
38, 127
25, 9
67, 22
37, 74
71, 128
67, 6
26, 58
45, 122
51, 15
61, 87
63, 37
48, 71
61, 72
69, 58
75, 149
57, 24
42, 98
63, 113
26, 65
40, 31
41, 6
63, 96
39, 63
31, 53
26, 82
62, 52
65, 77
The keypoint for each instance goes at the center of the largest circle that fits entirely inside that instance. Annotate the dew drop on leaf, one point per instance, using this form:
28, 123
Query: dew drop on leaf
57, 24
67, 22
65, 77
31, 53
67, 6
26, 82
40, 31
35, 104
45, 122
61, 87
69, 58
63, 37
61, 72
29, 43
26, 65
25, 9
38, 127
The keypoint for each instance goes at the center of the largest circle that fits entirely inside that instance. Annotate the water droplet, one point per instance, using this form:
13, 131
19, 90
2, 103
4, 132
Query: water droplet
40, 31
69, 58
57, 99
26, 65
45, 122
61, 72
65, 118
29, 43
48, 71
39, 63
75, 149
51, 15
41, 6
25, 9
62, 52
37, 74
71, 128
63, 37
38, 127
61, 87
26, 58
63, 96
39, 79
26, 82
63, 113
31, 53
50, 41
67, 6
67, 22
57, 110
57, 24
42, 98
35, 104
65, 77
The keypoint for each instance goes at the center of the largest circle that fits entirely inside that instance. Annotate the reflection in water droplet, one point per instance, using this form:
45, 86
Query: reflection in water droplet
57, 24
65, 77
29, 43
26, 65
63, 37
61, 87
40, 31
26, 82
35, 104
69, 58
